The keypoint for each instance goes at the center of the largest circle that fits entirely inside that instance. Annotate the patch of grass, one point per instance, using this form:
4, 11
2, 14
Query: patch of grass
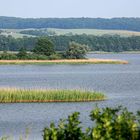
10, 95
64, 61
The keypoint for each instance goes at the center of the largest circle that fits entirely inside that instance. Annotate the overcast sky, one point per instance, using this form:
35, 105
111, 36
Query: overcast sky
70, 8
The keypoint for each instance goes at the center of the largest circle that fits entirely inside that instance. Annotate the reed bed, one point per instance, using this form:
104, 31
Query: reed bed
29, 95
65, 61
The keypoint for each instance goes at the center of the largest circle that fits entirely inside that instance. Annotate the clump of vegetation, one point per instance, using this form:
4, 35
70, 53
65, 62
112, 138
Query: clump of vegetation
24, 95
44, 50
109, 124
44, 47
22, 53
76, 51
7, 56
21, 137
43, 61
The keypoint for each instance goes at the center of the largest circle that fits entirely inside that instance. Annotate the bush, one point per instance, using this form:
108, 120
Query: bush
67, 130
76, 51
22, 54
109, 124
55, 57
115, 124
8, 56
32, 56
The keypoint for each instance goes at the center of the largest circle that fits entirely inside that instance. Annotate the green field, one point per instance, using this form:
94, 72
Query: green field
16, 32
95, 32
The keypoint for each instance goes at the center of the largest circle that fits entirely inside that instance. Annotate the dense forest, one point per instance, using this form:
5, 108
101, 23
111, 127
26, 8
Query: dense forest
71, 23
103, 43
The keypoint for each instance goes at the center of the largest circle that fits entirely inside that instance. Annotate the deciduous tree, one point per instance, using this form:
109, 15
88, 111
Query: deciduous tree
44, 47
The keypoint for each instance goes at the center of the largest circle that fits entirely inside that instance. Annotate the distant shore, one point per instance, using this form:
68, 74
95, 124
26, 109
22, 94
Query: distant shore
64, 61
124, 52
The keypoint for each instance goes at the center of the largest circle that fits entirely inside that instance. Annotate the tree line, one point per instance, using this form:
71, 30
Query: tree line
44, 50
71, 23
96, 43
99, 43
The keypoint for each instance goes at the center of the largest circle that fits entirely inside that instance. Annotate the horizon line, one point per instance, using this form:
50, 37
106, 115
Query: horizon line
68, 17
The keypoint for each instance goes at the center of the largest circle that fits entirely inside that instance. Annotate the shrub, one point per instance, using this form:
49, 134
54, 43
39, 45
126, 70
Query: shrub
37, 57
76, 51
114, 124
109, 124
55, 57
8, 56
67, 129
22, 54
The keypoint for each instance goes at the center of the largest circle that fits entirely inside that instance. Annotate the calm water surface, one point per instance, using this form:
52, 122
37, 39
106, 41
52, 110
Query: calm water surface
121, 83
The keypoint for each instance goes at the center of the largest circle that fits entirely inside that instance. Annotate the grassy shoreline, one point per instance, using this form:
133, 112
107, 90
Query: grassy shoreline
64, 61
11, 95
123, 52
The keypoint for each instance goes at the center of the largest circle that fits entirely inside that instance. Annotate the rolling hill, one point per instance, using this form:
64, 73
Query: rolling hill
132, 24
96, 32
19, 33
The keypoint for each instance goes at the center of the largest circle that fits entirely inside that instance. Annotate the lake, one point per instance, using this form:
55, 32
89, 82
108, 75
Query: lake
120, 83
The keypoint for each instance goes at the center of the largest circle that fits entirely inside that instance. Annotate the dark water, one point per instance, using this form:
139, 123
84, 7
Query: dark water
121, 83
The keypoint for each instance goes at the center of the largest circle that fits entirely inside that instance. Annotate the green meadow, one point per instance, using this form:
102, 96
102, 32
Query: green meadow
97, 32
